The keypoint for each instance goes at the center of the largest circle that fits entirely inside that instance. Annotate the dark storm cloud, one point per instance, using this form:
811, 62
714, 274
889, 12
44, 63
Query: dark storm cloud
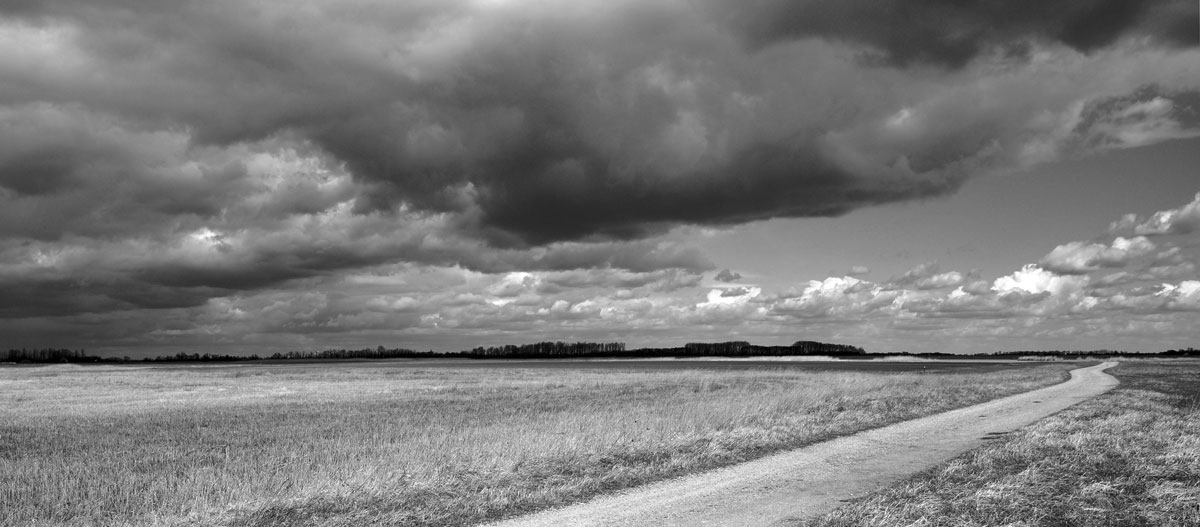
161, 154
541, 125
1147, 114
65, 296
952, 33
727, 276
558, 198
533, 123
69, 171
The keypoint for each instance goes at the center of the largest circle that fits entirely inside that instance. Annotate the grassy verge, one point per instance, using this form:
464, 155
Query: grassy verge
1128, 458
322, 445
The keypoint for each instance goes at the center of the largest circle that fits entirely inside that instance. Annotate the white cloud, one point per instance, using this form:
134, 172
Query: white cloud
1082, 257
1182, 296
722, 298
514, 284
928, 276
941, 280
1183, 220
836, 297
1032, 279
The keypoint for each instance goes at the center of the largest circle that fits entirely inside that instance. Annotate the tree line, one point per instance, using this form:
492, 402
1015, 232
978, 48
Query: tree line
548, 350
1077, 354
741, 348
539, 350
559, 350
47, 355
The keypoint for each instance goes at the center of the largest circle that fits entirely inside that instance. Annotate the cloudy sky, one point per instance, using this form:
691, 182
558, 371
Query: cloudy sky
254, 176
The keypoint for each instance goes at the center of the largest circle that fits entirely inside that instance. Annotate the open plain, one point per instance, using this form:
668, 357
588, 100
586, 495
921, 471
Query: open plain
402, 443
798, 484
1130, 457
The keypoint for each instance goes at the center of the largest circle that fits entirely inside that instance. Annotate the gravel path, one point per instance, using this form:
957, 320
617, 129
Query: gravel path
810, 481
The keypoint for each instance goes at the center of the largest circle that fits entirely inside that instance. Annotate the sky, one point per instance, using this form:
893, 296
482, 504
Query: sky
254, 176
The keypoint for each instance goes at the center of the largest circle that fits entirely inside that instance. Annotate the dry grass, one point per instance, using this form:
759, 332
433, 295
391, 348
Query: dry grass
1128, 458
257, 445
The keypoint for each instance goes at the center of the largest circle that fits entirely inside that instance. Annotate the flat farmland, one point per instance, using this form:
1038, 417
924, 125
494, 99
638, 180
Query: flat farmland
398, 442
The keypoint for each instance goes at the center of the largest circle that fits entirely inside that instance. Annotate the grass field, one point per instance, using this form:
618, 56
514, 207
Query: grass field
257, 445
1130, 457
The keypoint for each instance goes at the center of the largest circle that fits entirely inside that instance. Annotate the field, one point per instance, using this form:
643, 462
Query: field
404, 443
1130, 457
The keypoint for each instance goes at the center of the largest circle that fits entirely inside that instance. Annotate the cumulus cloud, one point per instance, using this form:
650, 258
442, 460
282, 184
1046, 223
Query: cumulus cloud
1082, 257
1032, 302
928, 276
942, 280
1182, 220
1183, 296
1030, 296
730, 297
843, 296
1032, 279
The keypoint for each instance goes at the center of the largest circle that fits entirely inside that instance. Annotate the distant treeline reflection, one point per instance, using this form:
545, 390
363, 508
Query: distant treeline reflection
565, 350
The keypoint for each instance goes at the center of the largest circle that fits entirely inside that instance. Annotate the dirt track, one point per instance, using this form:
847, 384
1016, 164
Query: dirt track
813, 480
